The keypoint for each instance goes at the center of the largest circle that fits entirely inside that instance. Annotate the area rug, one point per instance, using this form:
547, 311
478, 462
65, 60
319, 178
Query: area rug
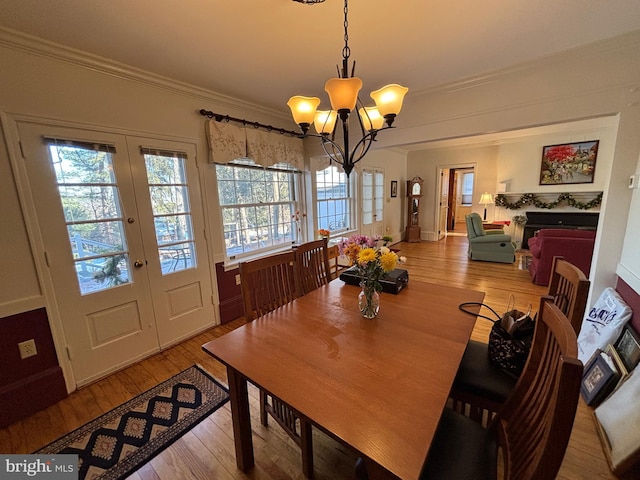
115, 444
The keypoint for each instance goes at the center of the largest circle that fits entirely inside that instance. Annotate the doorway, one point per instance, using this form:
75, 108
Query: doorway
122, 228
457, 185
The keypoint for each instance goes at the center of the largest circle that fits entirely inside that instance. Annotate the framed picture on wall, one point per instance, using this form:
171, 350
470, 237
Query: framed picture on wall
394, 188
568, 163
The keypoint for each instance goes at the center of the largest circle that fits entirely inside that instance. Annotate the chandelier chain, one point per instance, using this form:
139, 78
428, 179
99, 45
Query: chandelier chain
346, 51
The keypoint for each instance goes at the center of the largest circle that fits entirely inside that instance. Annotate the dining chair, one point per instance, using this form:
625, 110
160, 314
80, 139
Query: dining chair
480, 388
269, 283
533, 427
333, 252
312, 261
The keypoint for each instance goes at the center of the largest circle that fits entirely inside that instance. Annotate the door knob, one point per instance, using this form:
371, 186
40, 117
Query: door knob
138, 264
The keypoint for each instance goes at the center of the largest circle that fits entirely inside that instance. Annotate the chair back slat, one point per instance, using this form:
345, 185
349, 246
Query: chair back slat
312, 260
569, 287
535, 423
268, 283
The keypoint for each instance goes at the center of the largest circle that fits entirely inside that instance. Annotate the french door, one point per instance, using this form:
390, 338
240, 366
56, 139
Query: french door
123, 234
372, 185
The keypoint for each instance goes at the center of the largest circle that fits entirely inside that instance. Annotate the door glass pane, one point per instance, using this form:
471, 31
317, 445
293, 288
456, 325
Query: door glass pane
91, 204
367, 197
379, 195
169, 192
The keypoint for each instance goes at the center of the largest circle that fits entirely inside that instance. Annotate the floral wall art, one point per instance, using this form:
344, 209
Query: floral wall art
569, 163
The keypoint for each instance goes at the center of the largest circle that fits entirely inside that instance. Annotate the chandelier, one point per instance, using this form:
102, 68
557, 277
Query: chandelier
343, 96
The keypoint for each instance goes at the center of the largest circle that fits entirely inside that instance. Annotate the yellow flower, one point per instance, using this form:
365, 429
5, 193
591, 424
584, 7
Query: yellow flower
388, 261
366, 255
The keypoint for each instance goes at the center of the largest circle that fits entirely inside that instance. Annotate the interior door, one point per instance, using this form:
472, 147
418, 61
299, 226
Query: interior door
444, 203
372, 201
120, 293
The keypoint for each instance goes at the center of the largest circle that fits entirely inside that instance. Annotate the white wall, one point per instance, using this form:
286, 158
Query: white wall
629, 266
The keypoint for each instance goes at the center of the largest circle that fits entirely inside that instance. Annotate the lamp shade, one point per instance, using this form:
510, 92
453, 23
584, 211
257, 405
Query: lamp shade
343, 92
486, 199
371, 118
324, 121
389, 99
303, 109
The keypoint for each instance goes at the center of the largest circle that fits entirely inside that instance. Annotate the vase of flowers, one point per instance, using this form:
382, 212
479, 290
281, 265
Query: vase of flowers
368, 300
371, 262
324, 233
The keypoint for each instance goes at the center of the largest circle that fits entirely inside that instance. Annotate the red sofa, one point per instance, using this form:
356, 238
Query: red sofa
576, 246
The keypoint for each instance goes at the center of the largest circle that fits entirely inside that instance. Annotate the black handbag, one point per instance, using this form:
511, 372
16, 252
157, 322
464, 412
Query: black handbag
509, 339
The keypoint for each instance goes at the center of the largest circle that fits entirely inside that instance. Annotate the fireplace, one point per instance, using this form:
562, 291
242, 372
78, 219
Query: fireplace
569, 220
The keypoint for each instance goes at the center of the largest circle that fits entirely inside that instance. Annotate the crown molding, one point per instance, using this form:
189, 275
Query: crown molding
19, 41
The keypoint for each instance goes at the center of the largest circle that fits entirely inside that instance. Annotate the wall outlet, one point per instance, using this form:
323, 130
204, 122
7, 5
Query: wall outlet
27, 348
634, 181
238, 279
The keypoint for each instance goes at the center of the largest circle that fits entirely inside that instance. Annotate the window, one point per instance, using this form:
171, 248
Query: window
333, 199
467, 188
259, 207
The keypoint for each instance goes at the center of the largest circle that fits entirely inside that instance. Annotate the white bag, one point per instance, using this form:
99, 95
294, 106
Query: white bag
603, 324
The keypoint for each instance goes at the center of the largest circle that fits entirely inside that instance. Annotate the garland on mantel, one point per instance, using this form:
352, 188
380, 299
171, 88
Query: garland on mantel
532, 198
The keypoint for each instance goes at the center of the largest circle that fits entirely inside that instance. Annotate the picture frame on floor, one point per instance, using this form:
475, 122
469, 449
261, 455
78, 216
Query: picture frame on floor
628, 347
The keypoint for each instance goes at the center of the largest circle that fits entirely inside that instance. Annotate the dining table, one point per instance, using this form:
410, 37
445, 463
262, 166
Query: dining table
377, 385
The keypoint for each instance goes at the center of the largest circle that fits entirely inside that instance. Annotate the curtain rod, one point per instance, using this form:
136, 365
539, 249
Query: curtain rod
226, 118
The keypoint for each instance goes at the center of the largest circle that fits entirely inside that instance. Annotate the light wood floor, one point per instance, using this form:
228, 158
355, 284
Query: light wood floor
207, 451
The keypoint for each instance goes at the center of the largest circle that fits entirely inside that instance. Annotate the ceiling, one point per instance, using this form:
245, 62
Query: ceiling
264, 51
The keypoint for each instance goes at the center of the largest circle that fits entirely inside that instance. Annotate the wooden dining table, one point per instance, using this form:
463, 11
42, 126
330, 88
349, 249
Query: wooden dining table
379, 385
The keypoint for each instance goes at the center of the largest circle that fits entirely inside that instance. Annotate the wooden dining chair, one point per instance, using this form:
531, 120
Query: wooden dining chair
480, 387
333, 252
569, 288
312, 261
533, 427
269, 283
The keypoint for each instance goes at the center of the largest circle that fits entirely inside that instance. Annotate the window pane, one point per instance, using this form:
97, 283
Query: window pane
90, 239
89, 202
177, 257
101, 273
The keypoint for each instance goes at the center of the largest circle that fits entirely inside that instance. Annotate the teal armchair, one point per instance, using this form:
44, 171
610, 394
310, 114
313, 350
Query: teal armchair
488, 245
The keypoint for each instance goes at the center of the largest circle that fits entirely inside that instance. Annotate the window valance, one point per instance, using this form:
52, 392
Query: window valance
228, 142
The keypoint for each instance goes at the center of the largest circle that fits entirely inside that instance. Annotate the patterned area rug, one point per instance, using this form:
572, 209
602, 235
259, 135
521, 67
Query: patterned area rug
115, 444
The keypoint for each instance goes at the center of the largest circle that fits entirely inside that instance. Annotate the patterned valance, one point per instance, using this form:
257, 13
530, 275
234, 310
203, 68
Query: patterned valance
228, 142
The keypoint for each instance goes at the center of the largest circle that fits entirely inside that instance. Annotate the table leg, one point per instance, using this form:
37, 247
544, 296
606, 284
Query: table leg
241, 419
376, 472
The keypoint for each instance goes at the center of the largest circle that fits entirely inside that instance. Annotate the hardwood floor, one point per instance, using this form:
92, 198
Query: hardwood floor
207, 451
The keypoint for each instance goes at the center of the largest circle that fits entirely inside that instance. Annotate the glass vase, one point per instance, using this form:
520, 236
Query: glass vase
368, 300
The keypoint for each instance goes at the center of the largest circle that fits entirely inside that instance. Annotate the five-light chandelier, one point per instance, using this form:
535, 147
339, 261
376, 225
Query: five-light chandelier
343, 95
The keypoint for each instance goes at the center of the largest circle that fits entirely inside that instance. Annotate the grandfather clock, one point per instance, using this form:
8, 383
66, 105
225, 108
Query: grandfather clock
414, 193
